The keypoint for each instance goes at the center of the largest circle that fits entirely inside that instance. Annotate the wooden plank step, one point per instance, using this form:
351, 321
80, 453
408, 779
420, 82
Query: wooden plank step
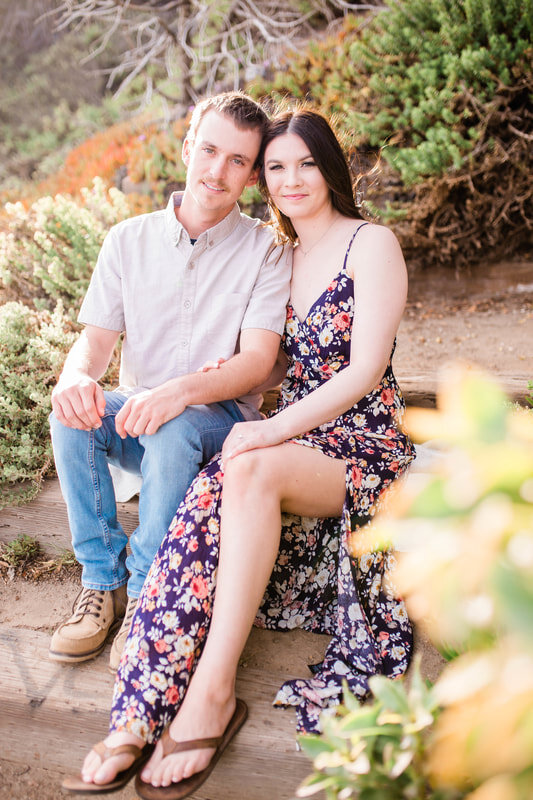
52, 714
46, 520
421, 389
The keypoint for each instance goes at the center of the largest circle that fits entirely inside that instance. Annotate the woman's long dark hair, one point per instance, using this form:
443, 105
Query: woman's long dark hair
327, 154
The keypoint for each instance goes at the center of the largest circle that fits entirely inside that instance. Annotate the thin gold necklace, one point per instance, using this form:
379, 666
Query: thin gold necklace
306, 252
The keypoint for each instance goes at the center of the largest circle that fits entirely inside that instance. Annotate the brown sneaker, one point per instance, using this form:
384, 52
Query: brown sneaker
120, 639
95, 614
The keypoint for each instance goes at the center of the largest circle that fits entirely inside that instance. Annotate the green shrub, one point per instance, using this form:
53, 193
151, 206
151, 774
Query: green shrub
434, 68
443, 89
33, 345
48, 252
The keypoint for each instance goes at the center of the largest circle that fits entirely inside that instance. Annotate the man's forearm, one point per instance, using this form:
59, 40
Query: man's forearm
90, 354
238, 376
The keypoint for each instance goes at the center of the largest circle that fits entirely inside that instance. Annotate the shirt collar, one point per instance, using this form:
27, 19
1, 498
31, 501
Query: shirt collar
211, 236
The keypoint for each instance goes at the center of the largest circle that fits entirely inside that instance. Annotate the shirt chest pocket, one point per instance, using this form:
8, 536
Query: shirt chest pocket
226, 312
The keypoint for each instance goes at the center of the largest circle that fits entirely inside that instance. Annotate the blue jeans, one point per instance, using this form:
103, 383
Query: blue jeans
168, 461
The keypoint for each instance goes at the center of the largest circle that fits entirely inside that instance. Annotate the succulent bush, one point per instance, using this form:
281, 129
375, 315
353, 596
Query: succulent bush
49, 251
443, 89
33, 345
466, 571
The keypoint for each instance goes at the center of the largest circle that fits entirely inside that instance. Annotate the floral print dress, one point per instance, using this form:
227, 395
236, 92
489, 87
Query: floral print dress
316, 584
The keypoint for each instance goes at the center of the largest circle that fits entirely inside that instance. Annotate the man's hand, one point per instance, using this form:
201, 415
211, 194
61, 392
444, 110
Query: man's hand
145, 412
78, 402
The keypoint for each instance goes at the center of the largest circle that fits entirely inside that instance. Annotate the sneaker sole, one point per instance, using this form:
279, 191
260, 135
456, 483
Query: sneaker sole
77, 658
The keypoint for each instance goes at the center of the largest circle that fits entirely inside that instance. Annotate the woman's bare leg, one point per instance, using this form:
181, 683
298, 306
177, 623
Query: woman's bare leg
258, 486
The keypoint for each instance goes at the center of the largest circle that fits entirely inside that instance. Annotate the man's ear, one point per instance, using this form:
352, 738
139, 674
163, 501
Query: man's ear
254, 176
186, 151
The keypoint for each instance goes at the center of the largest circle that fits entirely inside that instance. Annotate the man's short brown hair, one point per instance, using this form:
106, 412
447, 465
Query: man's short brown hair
241, 109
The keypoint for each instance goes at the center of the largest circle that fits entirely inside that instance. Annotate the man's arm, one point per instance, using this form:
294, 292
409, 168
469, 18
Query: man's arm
147, 411
78, 400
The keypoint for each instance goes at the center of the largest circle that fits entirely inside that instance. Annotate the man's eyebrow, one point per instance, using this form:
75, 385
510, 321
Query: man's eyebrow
233, 155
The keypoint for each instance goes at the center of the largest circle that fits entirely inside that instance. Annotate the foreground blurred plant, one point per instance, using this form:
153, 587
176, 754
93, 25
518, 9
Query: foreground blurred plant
466, 571
377, 750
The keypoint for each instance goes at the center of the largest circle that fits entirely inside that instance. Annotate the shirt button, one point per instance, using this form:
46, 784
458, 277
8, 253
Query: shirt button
192, 265
187, 304
183, 343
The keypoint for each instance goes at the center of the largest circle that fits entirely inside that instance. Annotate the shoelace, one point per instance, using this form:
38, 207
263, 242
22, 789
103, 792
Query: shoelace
90, 602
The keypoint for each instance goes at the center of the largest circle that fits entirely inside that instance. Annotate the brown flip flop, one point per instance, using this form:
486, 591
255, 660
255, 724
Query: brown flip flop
76, 785
177, 791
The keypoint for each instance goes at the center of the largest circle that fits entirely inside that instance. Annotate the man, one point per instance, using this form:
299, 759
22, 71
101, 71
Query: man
194, 282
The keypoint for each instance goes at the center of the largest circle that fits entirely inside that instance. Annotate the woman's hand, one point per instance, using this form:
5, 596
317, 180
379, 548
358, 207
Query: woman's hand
211, 365
250, 436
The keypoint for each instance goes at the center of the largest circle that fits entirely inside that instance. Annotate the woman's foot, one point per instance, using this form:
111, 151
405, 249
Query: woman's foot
101, 772
201, 716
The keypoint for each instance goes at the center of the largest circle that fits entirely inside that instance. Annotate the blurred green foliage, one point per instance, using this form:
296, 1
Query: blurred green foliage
464, 532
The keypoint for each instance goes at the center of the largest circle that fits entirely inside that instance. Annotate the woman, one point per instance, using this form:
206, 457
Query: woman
322, 461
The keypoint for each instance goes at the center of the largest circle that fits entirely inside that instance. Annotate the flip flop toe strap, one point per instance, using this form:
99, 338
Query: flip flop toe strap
104, 752
170, 746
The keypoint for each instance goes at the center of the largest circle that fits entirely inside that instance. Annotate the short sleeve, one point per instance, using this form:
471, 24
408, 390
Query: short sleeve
267, 305
103, 305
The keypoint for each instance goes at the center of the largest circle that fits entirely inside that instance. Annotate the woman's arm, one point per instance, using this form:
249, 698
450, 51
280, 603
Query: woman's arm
380, 289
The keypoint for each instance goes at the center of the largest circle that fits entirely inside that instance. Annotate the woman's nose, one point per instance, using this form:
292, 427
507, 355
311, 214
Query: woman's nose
293, 177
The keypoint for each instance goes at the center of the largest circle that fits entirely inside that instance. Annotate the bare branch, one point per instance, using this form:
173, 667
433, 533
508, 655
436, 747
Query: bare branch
202, 43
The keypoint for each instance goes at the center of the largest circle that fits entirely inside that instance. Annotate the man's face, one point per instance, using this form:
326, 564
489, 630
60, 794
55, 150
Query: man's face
220, 163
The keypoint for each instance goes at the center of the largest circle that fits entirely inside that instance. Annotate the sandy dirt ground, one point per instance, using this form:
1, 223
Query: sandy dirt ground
485, 320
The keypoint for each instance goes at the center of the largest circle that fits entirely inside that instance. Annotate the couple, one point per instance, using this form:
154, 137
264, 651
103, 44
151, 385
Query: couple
270, 520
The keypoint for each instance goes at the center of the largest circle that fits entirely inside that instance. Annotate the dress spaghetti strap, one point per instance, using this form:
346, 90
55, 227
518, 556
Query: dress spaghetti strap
350, 243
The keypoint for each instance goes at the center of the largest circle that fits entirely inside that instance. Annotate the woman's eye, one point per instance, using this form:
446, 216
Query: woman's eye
308, 164
274, 167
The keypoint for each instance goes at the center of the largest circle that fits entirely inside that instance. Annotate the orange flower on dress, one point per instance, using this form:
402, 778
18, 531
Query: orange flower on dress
387, 396
204, 500
172, 695
199, 587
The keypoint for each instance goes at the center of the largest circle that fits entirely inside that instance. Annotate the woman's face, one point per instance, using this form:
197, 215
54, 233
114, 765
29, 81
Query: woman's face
294, 181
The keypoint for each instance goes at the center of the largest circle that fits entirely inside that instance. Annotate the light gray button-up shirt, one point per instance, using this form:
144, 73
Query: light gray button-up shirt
180, 305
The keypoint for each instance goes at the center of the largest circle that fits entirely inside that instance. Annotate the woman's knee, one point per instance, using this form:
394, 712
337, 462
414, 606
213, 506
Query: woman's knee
249, 469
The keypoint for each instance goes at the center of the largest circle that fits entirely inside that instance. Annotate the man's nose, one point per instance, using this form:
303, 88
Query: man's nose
218, 167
